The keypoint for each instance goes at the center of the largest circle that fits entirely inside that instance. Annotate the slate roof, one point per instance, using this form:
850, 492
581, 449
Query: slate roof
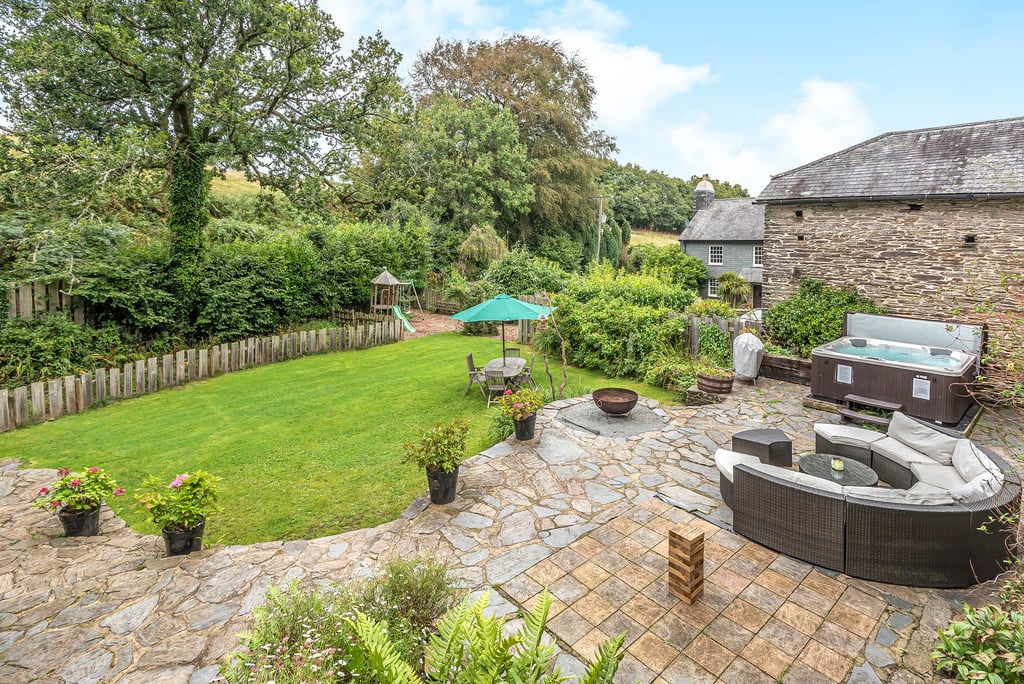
726, 220
966, 160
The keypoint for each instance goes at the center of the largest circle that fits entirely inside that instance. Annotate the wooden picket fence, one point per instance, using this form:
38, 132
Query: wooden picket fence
730, 326
29, 299
52, 399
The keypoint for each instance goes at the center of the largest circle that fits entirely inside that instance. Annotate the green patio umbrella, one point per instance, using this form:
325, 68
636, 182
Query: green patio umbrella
502, 308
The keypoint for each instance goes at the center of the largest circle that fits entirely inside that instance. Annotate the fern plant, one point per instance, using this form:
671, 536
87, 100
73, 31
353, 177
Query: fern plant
471, 646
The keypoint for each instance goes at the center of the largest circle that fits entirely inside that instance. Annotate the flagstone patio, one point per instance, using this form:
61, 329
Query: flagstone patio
584, 514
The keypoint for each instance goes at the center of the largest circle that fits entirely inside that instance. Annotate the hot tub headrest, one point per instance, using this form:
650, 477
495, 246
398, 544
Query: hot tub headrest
938, 351
858, 342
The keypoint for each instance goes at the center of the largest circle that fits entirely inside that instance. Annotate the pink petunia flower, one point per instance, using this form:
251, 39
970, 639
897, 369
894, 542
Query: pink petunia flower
178, 481
42, 491
63, 472
75, 483
508, 391
119, 491
56, 504
92, 469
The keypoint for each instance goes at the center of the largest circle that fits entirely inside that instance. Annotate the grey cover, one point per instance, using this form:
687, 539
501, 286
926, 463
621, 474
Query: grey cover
747, 354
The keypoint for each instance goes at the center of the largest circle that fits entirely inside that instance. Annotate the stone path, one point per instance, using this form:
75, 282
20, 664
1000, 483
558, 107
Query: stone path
586, 515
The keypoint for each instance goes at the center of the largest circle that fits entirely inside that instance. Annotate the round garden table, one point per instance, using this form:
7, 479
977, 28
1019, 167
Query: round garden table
853, 474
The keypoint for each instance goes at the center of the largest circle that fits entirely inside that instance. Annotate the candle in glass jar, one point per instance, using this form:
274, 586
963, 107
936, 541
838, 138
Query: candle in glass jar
837, 463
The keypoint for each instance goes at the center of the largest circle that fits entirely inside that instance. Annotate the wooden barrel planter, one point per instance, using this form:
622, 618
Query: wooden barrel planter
714, 384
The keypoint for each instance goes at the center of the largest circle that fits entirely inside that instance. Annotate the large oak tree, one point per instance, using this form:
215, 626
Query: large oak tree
179, 86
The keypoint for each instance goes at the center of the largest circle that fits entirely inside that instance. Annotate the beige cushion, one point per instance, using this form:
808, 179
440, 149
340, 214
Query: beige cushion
897, 451
922, 438
925, 488
725, 460
939, 497
798, 478
970, 461
847, 434
978, 489
937, 475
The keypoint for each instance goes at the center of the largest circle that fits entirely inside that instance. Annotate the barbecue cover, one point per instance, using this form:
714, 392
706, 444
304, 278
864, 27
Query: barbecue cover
747, 353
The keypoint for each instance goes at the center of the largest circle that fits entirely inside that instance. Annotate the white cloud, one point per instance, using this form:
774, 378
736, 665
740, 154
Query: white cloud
827, 117
413, 25
632, 81
722, 155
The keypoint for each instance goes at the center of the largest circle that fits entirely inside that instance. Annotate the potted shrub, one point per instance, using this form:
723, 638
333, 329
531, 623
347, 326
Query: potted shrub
522, 405
440, 450
76, 499
180, 508
714, 379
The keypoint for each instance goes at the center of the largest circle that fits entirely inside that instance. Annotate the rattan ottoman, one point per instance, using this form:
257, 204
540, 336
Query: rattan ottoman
769, 445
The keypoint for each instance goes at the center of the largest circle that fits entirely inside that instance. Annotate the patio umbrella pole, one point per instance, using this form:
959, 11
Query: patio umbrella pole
503, 343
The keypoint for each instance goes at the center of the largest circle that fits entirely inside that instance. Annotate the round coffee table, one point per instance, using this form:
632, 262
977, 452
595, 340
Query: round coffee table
854, 473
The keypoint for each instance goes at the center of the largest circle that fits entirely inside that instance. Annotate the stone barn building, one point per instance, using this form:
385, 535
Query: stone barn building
924, 222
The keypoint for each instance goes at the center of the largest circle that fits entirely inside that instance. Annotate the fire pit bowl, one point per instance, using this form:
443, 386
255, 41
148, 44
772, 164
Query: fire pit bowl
615, 401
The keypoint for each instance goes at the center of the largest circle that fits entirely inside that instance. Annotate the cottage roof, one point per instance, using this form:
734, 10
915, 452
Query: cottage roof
726, 220
965, 160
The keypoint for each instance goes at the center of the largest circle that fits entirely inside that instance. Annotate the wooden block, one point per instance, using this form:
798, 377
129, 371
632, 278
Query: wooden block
140, 377
152, 374
101, 384
86, 381
179, 368
69, 394
5, 412
114, 374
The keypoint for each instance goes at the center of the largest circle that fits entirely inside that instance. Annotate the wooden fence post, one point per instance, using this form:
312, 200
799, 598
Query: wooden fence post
114, 374
56, 398
69, 394
101, 384
38, 407
20, 406
5, 412
126, 380
87, 393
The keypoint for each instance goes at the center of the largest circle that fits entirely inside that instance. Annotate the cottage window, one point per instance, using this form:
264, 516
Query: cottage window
758, 255
715, 255
713, 288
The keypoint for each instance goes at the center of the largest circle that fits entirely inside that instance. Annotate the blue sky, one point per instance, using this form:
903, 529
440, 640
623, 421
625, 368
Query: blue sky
742, 90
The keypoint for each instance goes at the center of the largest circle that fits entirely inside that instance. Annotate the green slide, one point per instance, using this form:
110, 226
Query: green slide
405, 321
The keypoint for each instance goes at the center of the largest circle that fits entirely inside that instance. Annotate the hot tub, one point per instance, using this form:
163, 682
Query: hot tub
927, 380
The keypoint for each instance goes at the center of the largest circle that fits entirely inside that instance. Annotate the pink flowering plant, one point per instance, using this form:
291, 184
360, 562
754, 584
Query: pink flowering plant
77, 491
181, 504
522, 403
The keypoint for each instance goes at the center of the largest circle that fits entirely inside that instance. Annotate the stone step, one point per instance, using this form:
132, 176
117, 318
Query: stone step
852, 399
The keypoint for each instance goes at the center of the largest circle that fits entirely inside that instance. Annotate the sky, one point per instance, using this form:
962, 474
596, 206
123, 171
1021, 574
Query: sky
743, 90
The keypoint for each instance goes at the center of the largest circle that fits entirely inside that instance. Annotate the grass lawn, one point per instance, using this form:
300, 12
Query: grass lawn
653, 237
306, 448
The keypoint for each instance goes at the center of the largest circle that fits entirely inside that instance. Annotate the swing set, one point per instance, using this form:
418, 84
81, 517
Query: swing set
389, 295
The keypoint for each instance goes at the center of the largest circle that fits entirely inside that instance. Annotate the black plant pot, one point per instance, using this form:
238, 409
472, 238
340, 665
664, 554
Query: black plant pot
181, 543
80, 523
442, 485
525, 427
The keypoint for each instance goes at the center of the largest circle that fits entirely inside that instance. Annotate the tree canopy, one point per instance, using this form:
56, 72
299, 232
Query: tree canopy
551, 95
176, 87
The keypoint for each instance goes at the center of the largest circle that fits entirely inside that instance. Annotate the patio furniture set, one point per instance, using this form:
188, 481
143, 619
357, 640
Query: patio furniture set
921, 530
509, 372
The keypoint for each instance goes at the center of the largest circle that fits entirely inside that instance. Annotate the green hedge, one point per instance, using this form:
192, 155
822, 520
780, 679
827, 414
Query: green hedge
813, 316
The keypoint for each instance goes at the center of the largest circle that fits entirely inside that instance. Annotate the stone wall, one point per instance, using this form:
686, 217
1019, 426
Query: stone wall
913, 259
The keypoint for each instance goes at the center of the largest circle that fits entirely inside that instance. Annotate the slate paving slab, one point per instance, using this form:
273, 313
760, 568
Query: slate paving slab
585, 514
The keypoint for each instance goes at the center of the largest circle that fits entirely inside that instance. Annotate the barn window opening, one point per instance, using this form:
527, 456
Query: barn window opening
914, 207
970, 239
799, 213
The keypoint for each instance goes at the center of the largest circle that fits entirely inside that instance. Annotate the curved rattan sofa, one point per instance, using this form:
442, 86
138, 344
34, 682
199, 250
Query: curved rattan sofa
899, 543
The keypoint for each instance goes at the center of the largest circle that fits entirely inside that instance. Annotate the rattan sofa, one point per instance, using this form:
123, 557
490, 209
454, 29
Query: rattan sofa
896, 541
